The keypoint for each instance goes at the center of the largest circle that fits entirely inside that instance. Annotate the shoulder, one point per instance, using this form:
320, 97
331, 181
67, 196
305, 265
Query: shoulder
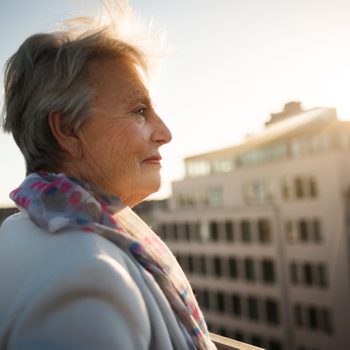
38, 252
24, 238
61, 282
35, 262
91, 305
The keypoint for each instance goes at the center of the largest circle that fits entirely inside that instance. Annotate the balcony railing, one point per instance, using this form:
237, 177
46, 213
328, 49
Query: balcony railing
223, 343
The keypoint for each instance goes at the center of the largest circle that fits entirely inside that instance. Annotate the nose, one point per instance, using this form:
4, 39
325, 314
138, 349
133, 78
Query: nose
161, 134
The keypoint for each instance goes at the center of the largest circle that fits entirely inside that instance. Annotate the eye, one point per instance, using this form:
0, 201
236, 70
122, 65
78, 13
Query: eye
141, 111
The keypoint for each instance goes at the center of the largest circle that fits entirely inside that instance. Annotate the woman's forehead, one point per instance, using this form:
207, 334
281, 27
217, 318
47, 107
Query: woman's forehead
119, 78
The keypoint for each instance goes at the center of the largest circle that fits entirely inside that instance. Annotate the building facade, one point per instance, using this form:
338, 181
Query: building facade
262, 231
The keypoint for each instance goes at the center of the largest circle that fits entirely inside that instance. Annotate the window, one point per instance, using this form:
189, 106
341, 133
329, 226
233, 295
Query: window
258, 191
296, 147
263, 154
175, 232
294, 275
303, 231
187, 231
204, 232
217, 269
268, 271
249, 269
197, 168
316, 228
229, 230
253, 308
264, 231
215, 196
188, 200
223, 165
180, 231
190, 264
316, 318
308, 276
206, 299
322, 275
169, 231
197, 264
298, 315
195, 226
299, 189
220, 301
307, 231
326, 321
232, 267
214, 231
313, 187
312, 318
161, 231
291, 232
272, 313
246, 234
236, 304
203, 264
286, 189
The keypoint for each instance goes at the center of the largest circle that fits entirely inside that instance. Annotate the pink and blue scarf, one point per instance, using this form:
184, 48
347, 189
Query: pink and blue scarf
55, 202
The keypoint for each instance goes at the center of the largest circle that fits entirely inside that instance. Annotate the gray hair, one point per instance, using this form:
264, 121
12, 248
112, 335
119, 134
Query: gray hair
47, 74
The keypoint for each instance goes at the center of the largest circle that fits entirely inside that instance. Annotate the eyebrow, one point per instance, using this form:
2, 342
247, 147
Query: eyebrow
137, 95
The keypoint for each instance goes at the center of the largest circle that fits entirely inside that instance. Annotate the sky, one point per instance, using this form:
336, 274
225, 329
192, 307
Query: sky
230, 64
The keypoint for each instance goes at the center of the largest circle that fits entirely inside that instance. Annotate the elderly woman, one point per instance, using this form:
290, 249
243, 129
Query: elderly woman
78, 269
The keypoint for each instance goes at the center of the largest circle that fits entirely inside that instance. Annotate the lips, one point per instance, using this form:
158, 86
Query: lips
153, 159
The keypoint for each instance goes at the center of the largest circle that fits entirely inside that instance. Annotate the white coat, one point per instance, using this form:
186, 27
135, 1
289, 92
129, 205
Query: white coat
78, 291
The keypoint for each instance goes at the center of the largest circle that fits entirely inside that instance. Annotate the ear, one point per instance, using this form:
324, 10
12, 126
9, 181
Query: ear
68, 141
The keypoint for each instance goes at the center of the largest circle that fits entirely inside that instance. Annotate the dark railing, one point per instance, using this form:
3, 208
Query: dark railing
223, 343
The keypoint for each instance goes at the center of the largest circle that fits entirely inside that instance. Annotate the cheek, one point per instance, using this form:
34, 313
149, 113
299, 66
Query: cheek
123, 151
118, 148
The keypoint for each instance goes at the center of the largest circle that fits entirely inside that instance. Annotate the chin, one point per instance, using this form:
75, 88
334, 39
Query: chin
152, 186
153, 189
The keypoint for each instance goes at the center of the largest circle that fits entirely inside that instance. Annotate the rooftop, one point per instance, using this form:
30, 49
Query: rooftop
278, 130
286, 135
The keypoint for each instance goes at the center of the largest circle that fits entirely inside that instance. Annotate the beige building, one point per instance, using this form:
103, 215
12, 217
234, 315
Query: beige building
262, 230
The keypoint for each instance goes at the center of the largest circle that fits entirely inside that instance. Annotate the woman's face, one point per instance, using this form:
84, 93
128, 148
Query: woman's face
121, 140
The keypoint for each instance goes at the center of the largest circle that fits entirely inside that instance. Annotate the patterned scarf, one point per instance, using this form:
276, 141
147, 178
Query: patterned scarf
55, 201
